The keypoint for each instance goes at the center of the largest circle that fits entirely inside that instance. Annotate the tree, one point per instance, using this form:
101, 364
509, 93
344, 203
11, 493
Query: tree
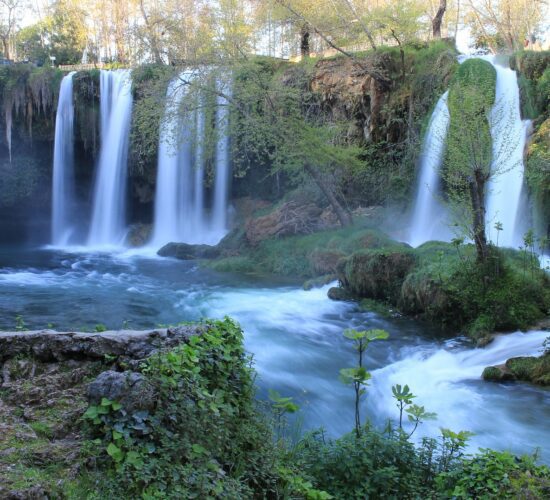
359, 376
504, 23
469, 159
438, 19
10, 11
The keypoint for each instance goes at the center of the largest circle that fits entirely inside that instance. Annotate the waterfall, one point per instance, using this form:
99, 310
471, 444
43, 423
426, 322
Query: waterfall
63, 165
219, 212
180, 205
505, 202
108, 214
174, 166
429, 218
504, 194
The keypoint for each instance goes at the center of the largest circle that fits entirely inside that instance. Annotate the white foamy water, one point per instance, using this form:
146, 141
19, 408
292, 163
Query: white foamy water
447, 381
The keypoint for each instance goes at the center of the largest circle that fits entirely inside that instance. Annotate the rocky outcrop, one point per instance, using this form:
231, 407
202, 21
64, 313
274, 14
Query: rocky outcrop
349, 94
376, 274
139, 235
50, 346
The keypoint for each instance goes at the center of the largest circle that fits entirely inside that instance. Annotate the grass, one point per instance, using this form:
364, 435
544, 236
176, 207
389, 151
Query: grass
303, 257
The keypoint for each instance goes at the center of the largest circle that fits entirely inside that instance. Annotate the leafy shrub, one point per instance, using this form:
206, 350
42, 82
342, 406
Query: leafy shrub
205, 438
498, 475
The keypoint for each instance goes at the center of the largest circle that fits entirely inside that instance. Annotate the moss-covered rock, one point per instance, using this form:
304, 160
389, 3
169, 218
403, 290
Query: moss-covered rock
525, 368
339, 293
376, 274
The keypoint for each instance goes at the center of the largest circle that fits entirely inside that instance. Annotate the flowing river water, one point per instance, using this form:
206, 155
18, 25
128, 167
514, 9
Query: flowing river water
295, 337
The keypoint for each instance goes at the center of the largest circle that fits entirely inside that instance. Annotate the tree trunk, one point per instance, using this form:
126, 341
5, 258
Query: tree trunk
477, 195
438, 19
304, 40
6, 47
344, 217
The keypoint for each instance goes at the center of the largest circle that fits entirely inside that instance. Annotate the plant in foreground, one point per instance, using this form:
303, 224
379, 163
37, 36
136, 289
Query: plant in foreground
359, 376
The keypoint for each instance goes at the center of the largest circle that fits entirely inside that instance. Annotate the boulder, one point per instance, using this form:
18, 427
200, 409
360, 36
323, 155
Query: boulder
337, 293
376, 274
130, 389
184, 251
497, 374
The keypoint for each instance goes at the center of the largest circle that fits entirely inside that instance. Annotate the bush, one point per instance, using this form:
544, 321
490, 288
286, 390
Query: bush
497, 475
371, 466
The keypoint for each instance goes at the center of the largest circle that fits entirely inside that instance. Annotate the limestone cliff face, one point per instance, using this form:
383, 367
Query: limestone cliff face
348, 94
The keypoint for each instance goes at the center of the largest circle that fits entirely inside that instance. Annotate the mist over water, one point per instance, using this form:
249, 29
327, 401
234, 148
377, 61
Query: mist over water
295, 337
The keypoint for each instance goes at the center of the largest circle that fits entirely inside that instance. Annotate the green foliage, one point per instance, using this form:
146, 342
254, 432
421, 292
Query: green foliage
496, 475
149, 83
61, 34
371, 465
301, 256
416, 414
205, 437
20, 324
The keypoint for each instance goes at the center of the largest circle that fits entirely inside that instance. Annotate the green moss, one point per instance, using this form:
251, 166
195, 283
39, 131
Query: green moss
492, 373
531, 369
447, 286
377, 274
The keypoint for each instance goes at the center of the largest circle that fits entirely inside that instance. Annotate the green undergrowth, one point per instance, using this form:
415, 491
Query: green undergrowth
205, 437
304, 256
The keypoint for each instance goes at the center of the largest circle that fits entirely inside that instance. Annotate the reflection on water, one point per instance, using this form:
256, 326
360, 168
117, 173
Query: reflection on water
294, 336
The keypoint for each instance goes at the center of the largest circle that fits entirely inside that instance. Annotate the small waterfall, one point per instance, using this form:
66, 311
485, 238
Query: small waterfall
429, 217
180, 206
509, 132
108, 214
63, 165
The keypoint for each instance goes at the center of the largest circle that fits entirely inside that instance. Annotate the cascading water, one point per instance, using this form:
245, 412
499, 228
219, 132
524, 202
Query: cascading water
429, 219
509, 132
504, 200
219, 212
180, 212
173, 189
107, 226
447, 381
63, 164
